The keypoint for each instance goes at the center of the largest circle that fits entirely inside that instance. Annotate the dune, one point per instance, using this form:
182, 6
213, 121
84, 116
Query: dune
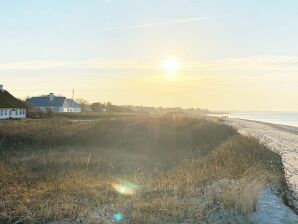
281, 139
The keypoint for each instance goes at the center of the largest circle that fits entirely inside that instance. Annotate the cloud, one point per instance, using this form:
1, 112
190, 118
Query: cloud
151, 25
28, 13
247, 64
116, 64
37, 64
260, 63
83, 64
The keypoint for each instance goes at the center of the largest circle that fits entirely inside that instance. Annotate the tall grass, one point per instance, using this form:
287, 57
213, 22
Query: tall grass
183, 168
135, 132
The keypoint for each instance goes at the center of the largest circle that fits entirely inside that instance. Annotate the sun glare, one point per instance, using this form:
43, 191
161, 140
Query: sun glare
126, 189
171, 65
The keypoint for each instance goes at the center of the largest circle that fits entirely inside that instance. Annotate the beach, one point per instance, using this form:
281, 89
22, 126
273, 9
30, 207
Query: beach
281, 139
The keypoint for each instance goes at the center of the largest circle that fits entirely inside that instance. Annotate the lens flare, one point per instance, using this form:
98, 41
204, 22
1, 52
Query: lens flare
118, 217
126, 189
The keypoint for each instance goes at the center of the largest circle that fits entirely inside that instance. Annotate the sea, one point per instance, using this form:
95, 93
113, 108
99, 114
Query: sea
284, 118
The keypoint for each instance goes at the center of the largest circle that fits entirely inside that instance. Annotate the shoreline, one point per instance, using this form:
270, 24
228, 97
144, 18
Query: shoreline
273, 118
281, 139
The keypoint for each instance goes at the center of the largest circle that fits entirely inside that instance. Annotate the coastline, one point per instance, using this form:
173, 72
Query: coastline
281, 139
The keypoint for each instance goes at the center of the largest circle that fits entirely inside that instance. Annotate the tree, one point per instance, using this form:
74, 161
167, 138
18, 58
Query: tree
83, 104
96, 107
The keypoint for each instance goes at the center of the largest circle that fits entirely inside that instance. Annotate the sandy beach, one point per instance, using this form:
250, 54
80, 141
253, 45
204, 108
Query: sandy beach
281, 139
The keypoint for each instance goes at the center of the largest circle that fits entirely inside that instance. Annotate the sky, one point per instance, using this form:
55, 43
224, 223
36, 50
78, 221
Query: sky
234, 54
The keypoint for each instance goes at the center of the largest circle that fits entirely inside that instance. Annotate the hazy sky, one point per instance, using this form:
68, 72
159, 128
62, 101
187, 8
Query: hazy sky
234, 54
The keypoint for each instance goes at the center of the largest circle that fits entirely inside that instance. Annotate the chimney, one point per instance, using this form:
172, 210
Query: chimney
1, 88
51, 96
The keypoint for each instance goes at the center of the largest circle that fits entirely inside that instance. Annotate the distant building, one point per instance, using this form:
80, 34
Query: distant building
54, 103
11, 107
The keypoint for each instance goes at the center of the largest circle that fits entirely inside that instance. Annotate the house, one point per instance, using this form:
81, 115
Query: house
54, 103
11, 107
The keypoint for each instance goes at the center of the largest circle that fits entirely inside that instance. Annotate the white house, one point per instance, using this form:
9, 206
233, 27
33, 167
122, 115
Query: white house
11, 107
54, 103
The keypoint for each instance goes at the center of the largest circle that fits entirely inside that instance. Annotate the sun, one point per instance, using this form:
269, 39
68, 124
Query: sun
171, 65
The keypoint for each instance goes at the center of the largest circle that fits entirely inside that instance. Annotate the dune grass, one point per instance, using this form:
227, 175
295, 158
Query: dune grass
179, 168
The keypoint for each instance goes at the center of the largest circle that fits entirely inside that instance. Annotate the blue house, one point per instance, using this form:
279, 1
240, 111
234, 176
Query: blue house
54, 103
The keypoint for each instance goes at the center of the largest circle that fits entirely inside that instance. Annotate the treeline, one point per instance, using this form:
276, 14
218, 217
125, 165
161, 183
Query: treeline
109, 107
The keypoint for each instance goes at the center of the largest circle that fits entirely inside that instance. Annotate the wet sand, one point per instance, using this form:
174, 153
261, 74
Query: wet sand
281, 139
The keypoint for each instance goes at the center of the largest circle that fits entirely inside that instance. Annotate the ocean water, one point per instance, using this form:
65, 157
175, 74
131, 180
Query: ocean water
284, 118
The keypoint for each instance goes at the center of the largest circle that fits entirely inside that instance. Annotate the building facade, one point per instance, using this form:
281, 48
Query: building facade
11, 107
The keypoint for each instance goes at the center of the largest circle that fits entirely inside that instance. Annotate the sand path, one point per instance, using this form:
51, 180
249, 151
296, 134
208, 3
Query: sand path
281, 139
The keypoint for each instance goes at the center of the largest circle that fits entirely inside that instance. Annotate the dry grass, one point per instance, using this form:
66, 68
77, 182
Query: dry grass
183, 168
243, 196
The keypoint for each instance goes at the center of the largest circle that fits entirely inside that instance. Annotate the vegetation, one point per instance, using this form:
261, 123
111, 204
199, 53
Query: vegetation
100, 107
144, 169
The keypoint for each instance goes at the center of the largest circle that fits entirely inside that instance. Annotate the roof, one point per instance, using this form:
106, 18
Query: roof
72, 104
44, 101
9, 101
58, 101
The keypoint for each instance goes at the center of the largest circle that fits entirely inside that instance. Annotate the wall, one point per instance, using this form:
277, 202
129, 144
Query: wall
61, 109
6, 113
74, 110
